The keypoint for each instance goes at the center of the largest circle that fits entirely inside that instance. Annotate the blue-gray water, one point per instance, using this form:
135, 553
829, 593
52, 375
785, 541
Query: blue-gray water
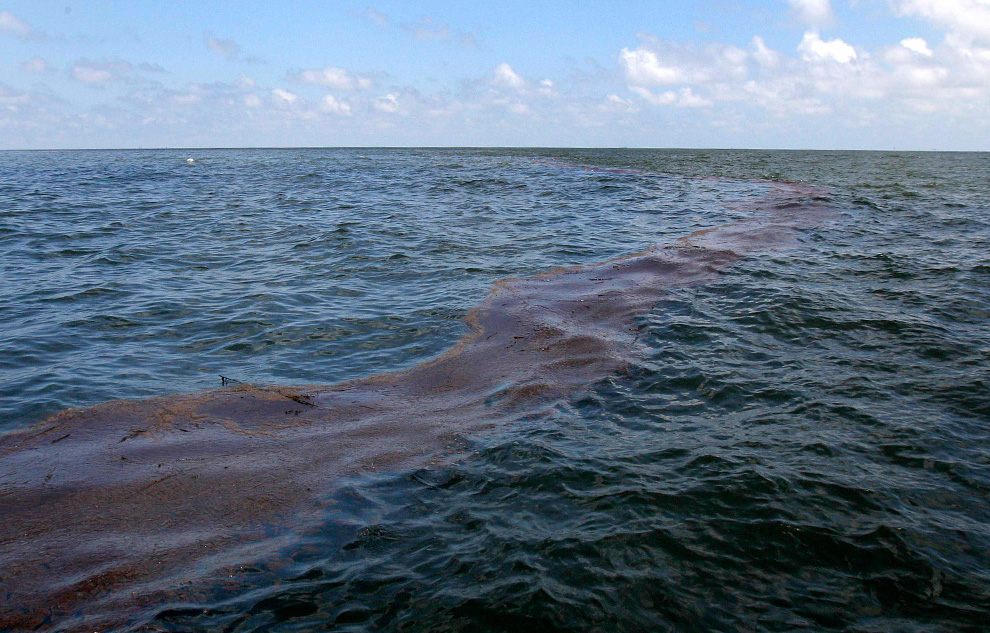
804, 445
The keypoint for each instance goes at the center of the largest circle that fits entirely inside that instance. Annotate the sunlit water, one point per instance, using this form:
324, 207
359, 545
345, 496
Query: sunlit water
805, 443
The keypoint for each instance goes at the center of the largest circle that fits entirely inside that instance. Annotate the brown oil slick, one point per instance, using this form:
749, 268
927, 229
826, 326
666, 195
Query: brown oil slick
112, 511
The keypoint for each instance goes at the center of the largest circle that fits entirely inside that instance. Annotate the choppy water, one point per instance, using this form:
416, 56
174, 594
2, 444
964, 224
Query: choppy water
804, 444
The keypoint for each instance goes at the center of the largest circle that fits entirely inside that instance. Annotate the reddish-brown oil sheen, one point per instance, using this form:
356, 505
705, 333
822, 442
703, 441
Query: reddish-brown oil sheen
110, 512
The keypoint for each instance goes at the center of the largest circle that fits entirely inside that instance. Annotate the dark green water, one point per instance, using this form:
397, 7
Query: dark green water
804, 444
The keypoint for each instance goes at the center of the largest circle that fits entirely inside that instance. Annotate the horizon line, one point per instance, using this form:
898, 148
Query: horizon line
484, 147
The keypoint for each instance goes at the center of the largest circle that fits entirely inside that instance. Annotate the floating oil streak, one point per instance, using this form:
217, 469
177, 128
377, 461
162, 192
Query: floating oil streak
108, 510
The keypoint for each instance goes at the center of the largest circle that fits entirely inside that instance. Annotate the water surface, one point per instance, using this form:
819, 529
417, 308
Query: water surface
798, 442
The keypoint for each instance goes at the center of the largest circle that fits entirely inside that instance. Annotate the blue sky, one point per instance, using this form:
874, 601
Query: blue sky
870, 74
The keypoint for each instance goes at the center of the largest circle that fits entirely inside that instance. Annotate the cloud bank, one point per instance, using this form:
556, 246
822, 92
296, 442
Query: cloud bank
819, 90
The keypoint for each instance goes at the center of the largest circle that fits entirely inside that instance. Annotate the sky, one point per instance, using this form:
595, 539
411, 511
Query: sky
811, 74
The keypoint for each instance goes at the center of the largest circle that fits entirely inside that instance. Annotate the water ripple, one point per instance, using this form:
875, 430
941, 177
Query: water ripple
800, 444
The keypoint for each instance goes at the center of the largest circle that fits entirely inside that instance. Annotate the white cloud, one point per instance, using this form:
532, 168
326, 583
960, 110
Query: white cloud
788, 96
467, 40
36, 65
643, 68
9, 96
687, 99
824, 77
764, 55
660, 64
227, 49
187, 99
917, 45
963, 68
284, 96
336, 78
784, 96
388, 103
372, 15
100, 72
684, 98
505, 77
970, 18
333, 105
814, 48
91, 75
548, 89
923, 78
816, 13
426, 28
617, 104
13, 26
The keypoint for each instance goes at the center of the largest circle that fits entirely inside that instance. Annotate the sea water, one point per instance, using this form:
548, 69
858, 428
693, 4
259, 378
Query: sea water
802, 442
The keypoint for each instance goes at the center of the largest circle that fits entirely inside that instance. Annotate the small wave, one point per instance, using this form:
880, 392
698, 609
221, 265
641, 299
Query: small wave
213, 473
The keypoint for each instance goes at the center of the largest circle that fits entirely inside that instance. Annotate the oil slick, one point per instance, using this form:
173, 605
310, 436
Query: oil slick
111, 511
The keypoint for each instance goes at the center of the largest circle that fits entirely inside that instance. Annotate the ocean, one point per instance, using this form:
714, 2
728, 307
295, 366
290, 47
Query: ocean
494, 390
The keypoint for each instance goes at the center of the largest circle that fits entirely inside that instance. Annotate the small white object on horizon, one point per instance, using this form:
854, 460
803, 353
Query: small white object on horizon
190, 160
